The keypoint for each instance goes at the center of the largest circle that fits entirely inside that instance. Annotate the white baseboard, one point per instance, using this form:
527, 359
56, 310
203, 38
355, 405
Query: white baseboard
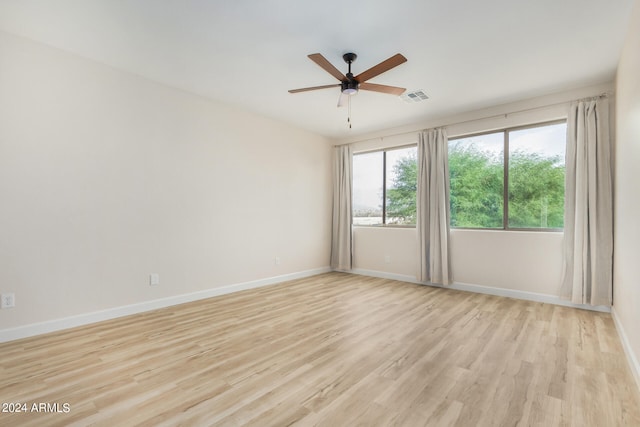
480, 289
631, 356
112, 313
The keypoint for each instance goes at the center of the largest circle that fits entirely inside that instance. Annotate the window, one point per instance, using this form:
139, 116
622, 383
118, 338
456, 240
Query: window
524, 166
389, 176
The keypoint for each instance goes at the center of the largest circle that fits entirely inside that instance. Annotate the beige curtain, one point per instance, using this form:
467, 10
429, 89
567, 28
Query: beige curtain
433, 207
341, 238
588, 224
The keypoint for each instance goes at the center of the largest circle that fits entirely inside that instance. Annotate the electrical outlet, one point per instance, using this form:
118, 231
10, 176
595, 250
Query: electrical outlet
8, 300
276, 260
387, 259
154, 279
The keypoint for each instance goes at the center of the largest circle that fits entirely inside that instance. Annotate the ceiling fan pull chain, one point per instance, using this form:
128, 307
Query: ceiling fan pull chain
349, 114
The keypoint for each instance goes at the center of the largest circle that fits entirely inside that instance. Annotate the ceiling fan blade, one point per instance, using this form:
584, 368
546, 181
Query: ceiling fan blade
343, 100
390, 63
391, 90
306, 89
327, 66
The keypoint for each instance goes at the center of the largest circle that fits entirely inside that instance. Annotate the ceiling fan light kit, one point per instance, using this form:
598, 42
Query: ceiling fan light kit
350, 85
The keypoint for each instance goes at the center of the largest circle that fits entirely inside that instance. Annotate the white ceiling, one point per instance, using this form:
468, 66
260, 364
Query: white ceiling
465, 54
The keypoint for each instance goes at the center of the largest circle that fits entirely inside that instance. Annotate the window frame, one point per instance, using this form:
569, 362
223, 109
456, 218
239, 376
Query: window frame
505, 177
384, 186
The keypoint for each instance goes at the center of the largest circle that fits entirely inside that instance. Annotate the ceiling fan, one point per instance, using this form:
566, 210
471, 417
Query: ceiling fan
349, 85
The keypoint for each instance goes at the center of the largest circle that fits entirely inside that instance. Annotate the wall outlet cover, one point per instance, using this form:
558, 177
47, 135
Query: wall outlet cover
154, 279
8, 300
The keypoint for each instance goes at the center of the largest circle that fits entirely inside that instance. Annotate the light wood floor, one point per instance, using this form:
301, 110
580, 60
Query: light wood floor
332, 350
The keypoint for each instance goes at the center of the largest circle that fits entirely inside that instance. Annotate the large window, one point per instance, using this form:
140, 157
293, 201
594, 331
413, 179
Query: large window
522, 166
384, 187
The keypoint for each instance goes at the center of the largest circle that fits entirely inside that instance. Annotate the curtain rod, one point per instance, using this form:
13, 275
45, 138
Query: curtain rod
505, 115
525, 110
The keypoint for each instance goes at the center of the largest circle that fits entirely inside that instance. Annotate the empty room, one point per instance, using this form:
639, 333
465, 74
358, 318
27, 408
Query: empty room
275, 213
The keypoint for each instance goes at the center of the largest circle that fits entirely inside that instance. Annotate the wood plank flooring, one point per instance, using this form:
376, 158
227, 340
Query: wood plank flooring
331, 350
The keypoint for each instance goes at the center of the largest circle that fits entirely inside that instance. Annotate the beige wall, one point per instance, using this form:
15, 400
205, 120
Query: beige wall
626, 272
106, 177
516, 261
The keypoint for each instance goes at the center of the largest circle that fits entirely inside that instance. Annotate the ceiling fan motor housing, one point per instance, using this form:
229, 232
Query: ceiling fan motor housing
350, 86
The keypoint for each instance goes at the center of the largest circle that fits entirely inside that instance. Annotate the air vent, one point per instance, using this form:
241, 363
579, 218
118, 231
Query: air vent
415, 96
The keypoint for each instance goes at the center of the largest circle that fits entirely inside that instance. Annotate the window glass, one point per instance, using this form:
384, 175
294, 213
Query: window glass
401, 182
476, 170
367, 188
536, 177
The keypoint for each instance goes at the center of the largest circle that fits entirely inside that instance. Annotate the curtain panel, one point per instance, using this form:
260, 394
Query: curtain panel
341, 237
588, 224
433, 212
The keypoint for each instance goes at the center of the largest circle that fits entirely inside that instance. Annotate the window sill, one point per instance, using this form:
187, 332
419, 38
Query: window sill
382, 226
